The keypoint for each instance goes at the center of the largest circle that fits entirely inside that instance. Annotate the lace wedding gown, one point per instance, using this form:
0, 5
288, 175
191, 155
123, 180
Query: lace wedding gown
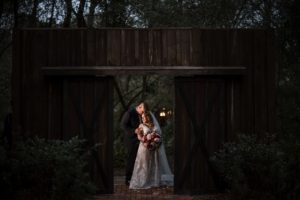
151, 168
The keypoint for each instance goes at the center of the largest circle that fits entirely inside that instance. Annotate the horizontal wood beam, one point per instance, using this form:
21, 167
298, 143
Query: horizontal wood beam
143, 70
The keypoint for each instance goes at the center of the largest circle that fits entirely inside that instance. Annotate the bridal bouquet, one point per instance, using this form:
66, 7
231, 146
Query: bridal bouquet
152, 140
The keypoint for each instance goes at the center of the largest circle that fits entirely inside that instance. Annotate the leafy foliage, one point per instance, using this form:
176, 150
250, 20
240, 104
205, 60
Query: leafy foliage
40, 169
259, 169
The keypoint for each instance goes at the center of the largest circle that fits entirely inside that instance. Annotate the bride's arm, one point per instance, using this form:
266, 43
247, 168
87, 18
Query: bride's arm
140, 134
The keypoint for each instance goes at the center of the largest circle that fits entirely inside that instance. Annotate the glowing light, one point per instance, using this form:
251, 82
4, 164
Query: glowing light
162, 114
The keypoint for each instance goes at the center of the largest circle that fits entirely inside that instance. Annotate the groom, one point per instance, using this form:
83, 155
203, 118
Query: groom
130, 122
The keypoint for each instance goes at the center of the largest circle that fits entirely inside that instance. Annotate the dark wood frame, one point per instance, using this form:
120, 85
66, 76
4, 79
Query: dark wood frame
44, 60
143, 70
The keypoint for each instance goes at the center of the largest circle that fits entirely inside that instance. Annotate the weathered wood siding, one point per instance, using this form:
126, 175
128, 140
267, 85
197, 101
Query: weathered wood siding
46, 106
208, 113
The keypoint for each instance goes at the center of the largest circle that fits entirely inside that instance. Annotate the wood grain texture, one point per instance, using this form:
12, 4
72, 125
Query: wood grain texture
59, 77
143, 70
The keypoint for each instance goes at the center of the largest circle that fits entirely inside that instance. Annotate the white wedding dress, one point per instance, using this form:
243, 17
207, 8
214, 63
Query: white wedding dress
151, 168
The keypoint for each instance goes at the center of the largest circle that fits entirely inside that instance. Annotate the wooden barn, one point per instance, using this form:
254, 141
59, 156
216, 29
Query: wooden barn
62, 86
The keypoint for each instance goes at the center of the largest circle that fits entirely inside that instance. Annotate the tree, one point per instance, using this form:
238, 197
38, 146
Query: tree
68, 10
91, 14
79, 14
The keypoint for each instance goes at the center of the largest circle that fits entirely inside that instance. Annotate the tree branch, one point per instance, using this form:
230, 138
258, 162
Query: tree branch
33, 18
16, 11
117, 87
80, 19
52, 13
69, 7
1, 8
91, 16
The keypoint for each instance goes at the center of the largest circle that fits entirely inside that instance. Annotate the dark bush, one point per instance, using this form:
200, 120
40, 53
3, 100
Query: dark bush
40, 169
256, 169
119, 154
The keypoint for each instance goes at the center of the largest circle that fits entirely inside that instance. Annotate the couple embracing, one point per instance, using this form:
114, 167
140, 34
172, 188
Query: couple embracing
147, 165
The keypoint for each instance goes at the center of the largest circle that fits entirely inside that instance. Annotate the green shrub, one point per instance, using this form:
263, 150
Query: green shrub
40, 169
260, 170
288, 167
119, 154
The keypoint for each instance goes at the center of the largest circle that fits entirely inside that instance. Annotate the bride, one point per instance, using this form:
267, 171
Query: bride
151, 168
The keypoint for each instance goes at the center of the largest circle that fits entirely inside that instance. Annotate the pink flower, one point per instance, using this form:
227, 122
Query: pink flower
149, 136
151, 141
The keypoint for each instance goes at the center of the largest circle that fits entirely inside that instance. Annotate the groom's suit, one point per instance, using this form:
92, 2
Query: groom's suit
130, 121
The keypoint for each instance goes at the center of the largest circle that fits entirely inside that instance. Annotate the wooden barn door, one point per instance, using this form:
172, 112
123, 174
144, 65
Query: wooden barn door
207, 112
83, 107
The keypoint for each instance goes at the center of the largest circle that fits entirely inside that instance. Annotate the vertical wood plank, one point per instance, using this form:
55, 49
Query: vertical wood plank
91, 46
164, 47
270, 73
182, 137
171, 46
102, 48
114, 47
83, 47
127, 47
39, 87
103, 134
144, 58
246, 52
55, 91
16, 92
178, 47
157, 47
259, 82
197, 47
205, 48
52, 48
26, 113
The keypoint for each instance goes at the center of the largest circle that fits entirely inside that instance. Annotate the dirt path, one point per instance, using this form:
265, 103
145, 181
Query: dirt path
121, 192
